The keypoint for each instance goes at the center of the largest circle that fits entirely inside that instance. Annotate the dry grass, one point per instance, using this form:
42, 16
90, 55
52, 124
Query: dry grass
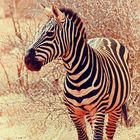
23, 119
31, 106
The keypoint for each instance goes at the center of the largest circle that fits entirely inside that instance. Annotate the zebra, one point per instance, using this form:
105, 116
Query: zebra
97, 81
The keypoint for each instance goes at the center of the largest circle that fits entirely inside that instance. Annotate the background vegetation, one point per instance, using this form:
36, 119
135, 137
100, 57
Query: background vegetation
31, 106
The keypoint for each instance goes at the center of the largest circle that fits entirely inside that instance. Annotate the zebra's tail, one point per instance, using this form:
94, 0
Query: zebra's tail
125, 115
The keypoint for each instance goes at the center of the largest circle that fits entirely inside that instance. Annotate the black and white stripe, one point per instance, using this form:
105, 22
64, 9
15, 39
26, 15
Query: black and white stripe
97, 80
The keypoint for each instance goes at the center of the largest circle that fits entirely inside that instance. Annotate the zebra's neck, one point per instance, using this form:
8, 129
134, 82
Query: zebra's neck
79, 63
78, 53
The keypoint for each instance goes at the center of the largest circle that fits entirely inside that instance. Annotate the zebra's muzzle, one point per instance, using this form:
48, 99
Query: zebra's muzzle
31, 62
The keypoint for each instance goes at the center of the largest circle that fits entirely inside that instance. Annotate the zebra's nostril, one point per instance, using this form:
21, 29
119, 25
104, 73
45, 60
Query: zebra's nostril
31, 53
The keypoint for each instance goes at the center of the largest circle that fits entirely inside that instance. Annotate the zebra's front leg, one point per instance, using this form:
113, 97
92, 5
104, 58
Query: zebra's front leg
79, 122
112, 123
96, 120
98, 125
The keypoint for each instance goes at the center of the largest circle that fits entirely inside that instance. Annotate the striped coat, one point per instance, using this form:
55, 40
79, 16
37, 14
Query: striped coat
97, 78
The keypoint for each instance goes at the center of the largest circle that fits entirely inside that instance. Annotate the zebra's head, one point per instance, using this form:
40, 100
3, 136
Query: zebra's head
47, 45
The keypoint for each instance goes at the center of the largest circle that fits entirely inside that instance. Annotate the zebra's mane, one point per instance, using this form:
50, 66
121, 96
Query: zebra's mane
70, 13
74, 17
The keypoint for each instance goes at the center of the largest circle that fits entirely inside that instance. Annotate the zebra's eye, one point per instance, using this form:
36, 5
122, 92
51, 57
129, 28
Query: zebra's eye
49, 33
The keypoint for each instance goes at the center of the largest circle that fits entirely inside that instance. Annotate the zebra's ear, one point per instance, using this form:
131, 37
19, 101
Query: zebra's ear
48, 11
57, 13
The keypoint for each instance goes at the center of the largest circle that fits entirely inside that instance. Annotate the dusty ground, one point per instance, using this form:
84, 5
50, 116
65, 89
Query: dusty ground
17, 123
19, 119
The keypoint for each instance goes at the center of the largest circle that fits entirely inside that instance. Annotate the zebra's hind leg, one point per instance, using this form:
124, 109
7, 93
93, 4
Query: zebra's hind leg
79, 122
112, 123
